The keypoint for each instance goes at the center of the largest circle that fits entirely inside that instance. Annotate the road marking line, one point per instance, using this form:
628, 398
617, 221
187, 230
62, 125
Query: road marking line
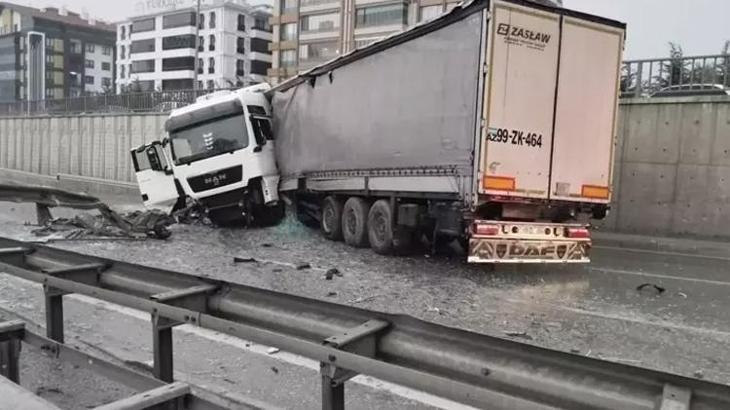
368, 381
657, 275
662, 253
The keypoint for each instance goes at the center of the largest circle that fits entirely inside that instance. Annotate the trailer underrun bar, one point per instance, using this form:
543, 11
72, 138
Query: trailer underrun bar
463, 366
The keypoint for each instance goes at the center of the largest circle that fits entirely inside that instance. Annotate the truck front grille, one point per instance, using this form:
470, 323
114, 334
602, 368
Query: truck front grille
216, 179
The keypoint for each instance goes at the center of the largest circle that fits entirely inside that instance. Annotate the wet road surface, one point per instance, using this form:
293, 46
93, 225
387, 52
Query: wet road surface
593, 310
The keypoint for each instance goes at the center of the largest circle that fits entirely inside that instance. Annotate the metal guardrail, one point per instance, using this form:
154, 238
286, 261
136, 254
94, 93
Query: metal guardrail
176, 396
467, 367
642, 78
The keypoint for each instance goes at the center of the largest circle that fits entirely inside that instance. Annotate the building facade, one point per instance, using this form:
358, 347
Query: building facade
309, 32
226, 45
53, 53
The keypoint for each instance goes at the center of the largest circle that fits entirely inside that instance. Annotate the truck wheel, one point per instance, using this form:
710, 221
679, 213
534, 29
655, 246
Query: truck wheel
354, 222
331, 222
380, 227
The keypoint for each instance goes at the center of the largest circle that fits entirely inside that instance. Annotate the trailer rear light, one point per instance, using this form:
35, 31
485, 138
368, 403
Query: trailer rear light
499, 183
577, 233
485, 229
594, 192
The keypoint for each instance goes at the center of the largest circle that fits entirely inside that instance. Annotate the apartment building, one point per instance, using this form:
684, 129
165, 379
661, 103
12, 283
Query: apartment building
53, 53
309, 32
225, 45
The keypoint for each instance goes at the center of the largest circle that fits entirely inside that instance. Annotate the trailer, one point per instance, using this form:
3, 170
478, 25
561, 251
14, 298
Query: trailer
494, 125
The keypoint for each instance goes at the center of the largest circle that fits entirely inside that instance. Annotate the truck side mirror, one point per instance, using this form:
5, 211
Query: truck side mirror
258, 148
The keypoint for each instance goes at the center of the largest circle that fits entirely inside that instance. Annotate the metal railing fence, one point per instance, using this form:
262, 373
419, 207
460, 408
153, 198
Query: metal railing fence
639, 78
643, 78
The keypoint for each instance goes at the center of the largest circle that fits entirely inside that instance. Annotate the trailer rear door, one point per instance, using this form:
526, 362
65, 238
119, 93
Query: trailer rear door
522, 59
585, 114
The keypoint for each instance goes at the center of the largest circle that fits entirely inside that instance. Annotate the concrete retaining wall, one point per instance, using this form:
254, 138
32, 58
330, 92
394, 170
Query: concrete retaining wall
94, 146
672, 174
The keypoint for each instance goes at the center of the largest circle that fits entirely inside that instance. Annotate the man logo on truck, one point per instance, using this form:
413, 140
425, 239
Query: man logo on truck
521, 36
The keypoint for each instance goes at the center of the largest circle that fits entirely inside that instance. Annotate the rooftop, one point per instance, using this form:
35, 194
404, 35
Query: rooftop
59, 15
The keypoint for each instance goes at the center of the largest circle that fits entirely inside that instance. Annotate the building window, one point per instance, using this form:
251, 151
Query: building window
89, 79
143, 25
288, 32
318, 51
201, 44
320, 22
211, 43
241, 45
122, 32
239, 67
121, 71
364, 42
241, 22
211, 65
259, 67
261, 23
88, 63
260, 45
211, 85
178, 20
211, 22
106, 82
142, 46
107, 51
288, 6
143, 66
90, 48
178, 63
122, 52
106, 66
381, 15
177, 84
176, 42
200, 66
288, 58
201, 21
428, 13
200, 85
75, 47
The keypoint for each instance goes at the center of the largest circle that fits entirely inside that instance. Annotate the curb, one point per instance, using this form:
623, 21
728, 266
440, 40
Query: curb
689, 246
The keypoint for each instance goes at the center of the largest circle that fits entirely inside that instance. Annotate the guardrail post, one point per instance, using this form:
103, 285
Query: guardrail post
333, 391
11, 334
54, 313
162, 348
639, 75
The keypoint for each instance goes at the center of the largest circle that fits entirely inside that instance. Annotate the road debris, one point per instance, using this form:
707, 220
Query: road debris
331, 294
363, 299
699, 374
655, 287
272, 350
682, 295
244, 259
275, 369
434, 310
302, 266
518, 334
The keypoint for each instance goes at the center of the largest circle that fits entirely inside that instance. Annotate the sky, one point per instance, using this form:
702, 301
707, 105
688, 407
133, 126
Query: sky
699, 26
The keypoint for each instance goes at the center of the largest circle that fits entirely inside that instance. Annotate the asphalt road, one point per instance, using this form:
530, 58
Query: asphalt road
594, 310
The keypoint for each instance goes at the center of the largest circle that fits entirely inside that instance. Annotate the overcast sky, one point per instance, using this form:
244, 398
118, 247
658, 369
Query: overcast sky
700, 26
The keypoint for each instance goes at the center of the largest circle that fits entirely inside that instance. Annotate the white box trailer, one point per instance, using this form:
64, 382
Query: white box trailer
494, 124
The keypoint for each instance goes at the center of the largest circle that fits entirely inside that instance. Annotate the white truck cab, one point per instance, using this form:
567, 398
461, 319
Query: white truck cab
219, 151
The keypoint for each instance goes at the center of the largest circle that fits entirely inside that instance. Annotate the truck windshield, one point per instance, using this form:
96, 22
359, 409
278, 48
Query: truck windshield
208, 139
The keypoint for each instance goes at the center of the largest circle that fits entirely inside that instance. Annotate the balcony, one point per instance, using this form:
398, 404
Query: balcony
307, 6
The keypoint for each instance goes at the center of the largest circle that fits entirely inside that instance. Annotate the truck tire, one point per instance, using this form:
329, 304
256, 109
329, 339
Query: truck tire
331, 221
380, 227
355, 221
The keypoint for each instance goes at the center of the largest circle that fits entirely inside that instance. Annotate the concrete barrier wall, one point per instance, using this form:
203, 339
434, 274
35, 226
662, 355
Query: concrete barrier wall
672, 174
94, 146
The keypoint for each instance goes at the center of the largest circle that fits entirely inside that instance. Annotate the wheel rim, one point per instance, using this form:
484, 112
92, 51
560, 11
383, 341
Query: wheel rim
328, 219
379, 226
351, 221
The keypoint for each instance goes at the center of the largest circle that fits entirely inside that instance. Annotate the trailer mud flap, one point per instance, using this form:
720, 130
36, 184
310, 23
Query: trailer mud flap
496, 250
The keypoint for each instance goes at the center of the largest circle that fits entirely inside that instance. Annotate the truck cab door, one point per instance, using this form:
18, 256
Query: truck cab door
154, 177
